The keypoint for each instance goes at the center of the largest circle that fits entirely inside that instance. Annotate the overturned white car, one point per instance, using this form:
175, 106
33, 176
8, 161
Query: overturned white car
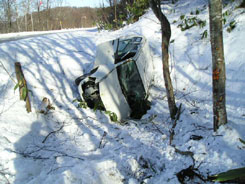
120, 79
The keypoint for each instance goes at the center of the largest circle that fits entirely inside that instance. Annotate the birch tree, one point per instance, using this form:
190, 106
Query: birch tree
166, 34
218, 63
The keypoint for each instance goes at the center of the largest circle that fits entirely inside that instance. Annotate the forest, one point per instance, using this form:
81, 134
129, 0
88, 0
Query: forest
37, 15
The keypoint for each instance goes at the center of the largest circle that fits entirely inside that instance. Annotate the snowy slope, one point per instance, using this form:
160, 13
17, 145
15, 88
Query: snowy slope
76, 145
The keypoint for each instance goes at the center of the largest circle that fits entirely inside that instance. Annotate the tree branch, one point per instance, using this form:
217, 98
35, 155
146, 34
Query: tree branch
8, 73
101, 141
28, 155
53, 132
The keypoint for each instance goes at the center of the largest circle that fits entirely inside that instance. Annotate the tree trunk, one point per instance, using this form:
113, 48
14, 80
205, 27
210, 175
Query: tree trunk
38, 15
115, 11
218, 66
242, 5
166, 74
166, 34
26, 25
9, 15
32, 24
47, 14
17, 17
110, 3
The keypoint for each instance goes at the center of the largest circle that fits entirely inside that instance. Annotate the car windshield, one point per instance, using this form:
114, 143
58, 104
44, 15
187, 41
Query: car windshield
127, 48
124, 46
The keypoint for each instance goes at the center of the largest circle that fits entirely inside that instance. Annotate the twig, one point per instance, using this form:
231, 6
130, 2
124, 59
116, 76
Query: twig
4, 175
185, 153
8, 73
62, 154
52, 170
53, 132
28, 155
100, 145
70, 156
187, 94
157, 128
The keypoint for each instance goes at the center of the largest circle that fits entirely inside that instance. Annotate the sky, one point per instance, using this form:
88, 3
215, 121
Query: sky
82, 3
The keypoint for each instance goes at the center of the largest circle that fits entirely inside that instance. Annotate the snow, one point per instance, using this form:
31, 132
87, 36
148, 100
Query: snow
85, 146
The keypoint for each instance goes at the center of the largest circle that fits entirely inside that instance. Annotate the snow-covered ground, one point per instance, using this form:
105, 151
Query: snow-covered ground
76, 145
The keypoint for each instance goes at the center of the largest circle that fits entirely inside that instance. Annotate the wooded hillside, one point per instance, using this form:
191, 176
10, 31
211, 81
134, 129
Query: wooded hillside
49, 19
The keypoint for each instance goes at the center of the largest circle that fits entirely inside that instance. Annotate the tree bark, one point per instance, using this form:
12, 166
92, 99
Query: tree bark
166, 34
218, 63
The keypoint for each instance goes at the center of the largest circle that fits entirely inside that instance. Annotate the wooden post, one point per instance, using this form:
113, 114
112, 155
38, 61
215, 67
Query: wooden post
24, 93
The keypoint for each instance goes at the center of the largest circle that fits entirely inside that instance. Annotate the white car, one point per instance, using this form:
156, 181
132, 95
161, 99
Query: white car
120, 80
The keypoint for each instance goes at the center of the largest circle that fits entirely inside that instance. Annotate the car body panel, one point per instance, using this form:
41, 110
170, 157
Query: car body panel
113, 56
112, 96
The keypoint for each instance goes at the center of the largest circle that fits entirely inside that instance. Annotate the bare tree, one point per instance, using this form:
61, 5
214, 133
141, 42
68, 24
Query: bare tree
48, 13
166, 34
8, 11
219, 78
110, 2
38, 4
27, 7
17, 16
115, 9
2, 16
